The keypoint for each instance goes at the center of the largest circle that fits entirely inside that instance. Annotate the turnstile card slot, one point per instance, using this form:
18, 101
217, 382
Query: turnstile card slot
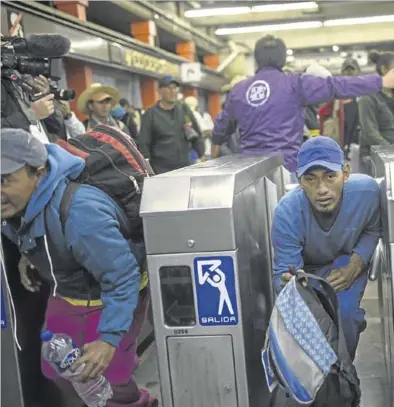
202, 371
177, 295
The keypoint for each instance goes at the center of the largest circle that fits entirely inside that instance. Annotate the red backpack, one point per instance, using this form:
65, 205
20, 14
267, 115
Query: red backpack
114, 165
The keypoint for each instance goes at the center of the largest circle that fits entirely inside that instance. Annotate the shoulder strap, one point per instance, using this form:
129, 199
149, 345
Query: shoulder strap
334, 302
65, 203
328, 290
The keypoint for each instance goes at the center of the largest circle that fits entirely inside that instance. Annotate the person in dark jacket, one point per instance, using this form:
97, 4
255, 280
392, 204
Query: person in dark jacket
350, 109
130, 118
377, 113
169, 131
269, 107
230, 144
43, 117
98, 296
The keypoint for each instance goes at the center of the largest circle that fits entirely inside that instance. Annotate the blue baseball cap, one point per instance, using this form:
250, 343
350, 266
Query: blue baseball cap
320, 151
166, 81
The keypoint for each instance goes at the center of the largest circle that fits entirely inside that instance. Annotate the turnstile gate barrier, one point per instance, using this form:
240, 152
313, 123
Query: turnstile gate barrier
11, 389
383, 167
207, 234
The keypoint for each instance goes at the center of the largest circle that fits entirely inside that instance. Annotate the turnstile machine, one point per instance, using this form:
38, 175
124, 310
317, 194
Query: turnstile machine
11, 389
383, 166
207, 234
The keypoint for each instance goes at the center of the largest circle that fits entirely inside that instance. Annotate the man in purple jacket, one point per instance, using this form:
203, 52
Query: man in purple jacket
269, 107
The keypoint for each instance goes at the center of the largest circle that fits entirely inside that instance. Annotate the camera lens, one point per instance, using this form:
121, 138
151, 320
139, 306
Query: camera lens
34, 67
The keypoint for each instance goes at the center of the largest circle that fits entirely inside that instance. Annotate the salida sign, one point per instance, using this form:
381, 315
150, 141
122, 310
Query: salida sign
216, 293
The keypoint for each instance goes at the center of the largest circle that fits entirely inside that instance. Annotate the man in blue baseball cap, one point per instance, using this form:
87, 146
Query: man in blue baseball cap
329, 226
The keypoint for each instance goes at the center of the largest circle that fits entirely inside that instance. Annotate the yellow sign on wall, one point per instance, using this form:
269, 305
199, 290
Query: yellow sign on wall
139, 60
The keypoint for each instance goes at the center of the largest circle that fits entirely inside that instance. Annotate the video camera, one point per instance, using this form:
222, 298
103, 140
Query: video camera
36, 55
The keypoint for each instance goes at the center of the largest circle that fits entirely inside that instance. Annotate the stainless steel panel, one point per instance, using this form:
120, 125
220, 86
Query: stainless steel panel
4, 21
11, 387
201, 196
202, 371
163, 331
388, 296
383, 160
215, 209
252, 216
169, 234
281, 178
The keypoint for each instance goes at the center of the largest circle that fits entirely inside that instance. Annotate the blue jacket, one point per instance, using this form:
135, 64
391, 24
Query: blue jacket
269, 108
299, 241
91, 244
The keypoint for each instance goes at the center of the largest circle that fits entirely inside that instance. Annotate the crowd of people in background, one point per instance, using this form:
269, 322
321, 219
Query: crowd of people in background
273, 111
278, 113
277, 109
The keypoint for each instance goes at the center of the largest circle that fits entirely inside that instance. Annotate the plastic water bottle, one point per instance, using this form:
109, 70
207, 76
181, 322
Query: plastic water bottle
60, 351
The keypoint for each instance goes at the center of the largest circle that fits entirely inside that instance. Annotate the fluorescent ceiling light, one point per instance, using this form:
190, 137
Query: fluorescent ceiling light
306, 5
212, 12
271, 27
269, 8
361, 20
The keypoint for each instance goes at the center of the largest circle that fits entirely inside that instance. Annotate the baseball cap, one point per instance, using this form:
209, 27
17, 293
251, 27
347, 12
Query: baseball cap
20, 148
320, 151
167, 80
350, 63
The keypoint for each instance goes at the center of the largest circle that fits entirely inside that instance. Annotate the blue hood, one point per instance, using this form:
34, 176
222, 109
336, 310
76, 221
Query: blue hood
61, 165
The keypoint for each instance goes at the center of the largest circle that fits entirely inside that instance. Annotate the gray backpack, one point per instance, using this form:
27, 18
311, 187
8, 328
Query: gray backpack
305, 358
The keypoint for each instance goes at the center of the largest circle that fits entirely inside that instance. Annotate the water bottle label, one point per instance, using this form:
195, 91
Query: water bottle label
70, 359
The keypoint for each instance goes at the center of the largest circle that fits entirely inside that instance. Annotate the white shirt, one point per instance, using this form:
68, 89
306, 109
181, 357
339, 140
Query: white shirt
38, 131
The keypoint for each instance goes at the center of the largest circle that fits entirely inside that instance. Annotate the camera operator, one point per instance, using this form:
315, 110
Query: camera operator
27, 99
43, 118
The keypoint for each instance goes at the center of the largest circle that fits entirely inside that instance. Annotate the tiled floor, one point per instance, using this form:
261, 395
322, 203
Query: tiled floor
369, 361
147, 375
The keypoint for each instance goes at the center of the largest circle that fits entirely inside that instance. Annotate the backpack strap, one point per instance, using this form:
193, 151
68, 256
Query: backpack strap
301, 277
65, 203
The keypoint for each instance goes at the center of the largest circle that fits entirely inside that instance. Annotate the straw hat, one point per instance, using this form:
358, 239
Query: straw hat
97, 93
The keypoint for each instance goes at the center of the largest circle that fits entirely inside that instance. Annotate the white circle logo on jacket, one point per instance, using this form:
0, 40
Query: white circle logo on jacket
258, 93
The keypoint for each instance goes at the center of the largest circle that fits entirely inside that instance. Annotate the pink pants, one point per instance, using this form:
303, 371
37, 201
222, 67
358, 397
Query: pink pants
80, 323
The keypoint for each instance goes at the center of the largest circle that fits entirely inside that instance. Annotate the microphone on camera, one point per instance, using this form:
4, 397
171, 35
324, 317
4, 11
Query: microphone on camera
47, 45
